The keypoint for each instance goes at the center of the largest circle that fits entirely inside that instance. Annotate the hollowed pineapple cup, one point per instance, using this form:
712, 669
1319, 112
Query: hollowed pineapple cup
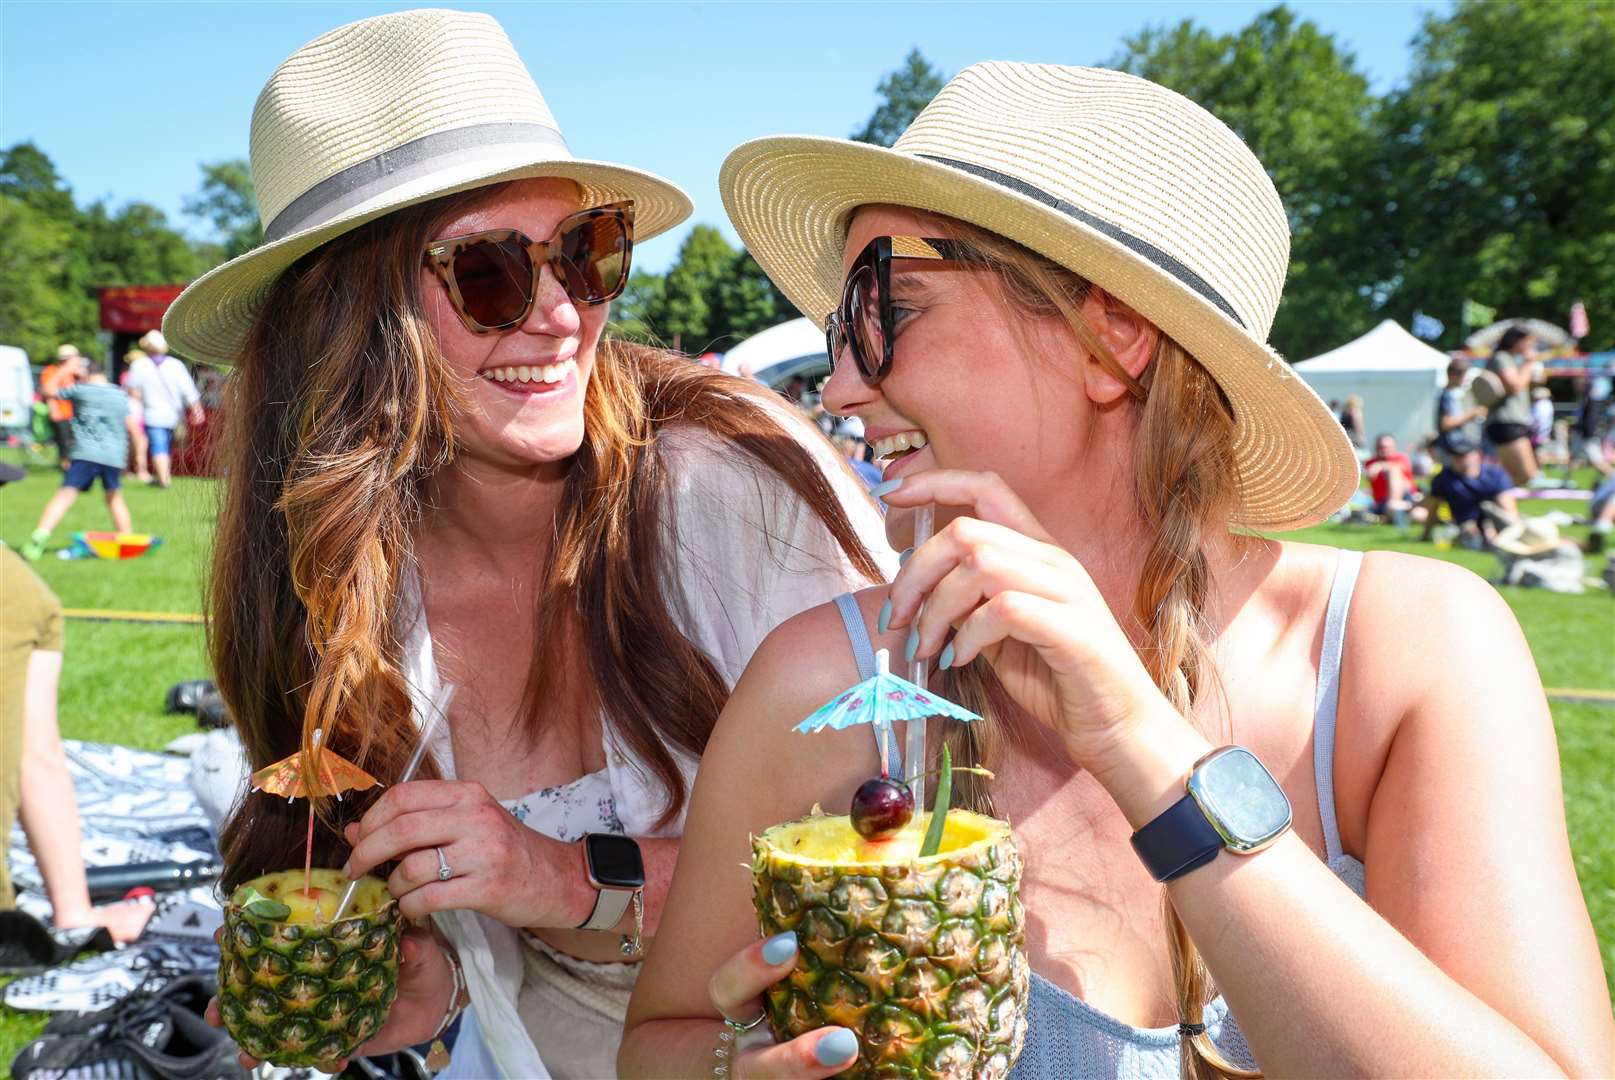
308, 993
923, 959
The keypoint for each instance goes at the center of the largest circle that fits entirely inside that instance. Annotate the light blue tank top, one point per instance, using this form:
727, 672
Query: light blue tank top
1066, 1037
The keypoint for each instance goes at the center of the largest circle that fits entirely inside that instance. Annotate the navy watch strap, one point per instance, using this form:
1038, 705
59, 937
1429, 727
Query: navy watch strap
1177, 841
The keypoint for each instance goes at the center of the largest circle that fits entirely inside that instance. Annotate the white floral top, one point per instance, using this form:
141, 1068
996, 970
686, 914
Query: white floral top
742, 553
568, 811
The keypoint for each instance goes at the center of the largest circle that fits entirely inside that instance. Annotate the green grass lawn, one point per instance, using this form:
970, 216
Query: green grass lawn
116, 674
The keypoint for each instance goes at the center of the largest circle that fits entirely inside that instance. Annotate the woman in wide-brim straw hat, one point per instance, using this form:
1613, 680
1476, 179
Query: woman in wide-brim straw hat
437, 474
1048, 303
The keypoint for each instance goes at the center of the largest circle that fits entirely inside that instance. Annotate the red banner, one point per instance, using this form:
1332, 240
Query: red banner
134, 309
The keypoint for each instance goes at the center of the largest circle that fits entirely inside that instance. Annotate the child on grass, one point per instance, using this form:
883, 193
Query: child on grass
100, 449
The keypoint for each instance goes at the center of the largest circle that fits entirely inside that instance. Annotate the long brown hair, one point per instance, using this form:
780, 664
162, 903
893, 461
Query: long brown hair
340, 409
1185, 485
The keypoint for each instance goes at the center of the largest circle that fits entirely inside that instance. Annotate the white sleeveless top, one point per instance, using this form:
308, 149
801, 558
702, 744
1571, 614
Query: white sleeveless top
742, 553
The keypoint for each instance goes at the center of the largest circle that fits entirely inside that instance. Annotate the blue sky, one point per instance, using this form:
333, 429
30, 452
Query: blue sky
129, 98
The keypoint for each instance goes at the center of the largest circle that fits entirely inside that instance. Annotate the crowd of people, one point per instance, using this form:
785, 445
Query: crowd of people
1496, 433
638, 575
103, 430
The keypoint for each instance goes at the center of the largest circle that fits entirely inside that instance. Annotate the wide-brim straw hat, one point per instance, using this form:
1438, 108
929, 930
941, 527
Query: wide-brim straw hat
1527, 537
380, 115
1132, 186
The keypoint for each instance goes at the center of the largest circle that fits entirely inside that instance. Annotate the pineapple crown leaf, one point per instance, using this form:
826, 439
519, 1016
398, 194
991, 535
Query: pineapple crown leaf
939, 812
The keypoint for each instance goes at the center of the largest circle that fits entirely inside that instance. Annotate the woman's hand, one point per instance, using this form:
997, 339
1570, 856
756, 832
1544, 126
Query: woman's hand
736, 990
1005, 590
425, 987
497, 866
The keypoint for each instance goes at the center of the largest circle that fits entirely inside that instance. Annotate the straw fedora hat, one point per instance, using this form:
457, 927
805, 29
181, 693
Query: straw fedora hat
1130, 185
379, 115
1527, 537
1487, 389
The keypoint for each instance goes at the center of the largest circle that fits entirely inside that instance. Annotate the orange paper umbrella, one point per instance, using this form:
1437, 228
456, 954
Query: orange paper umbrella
336, 775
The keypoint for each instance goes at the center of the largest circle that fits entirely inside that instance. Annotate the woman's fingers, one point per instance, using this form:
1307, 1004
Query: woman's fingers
825, 1052
982, 495
420, 830
414, 797
986, 572
977, 545
736, 988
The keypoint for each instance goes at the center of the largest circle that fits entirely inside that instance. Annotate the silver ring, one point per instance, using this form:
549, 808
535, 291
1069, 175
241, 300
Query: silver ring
443, 871
739, 1028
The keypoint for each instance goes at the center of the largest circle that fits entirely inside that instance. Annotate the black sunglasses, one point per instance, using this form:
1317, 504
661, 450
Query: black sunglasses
863, 321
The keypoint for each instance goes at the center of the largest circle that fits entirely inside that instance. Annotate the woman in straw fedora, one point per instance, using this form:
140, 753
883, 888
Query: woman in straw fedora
440, 474
1064, 278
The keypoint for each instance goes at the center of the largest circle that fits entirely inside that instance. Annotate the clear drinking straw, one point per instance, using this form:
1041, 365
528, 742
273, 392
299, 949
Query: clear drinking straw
918, 672
436, 709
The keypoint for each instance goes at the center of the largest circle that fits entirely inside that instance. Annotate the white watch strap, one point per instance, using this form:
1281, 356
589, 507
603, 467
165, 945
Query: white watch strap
609, 907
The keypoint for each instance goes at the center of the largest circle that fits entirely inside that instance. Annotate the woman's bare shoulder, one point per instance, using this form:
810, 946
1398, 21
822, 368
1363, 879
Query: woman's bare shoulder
802, 663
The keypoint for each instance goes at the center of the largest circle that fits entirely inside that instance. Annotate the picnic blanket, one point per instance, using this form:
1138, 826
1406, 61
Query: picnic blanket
134, 807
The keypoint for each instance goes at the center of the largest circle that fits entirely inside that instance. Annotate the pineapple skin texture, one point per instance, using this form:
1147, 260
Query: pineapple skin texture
307, 995
926, 963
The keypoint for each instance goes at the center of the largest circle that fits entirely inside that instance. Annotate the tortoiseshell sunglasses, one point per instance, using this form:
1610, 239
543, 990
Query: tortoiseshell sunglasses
492, 277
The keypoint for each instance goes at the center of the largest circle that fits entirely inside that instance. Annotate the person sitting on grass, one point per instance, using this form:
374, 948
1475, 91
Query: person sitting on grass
100, 450
1479, 495
34, 782
1390, 478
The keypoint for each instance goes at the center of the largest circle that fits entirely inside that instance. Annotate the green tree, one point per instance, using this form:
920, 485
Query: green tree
1501, 149
27, 175
1299, 102
50, 296
632, 312
748, 301
228, 203
904, 93
33, 314
687, 314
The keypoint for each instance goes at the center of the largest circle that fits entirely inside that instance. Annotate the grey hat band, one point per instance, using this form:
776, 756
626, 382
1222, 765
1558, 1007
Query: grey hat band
357, 184
1135, 244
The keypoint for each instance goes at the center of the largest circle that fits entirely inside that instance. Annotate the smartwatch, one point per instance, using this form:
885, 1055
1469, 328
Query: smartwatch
1231, 802
614, 867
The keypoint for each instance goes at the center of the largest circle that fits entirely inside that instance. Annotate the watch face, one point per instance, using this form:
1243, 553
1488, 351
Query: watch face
614, 861
1241, 799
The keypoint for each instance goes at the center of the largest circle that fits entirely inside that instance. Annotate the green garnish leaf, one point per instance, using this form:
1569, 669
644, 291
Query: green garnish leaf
260, 906
939, 811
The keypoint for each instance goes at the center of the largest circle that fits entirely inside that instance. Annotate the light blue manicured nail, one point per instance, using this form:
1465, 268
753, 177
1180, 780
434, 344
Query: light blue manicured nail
836, 1044
779, 948
903, 555
886, 487
885, 620
913, 645
945, 661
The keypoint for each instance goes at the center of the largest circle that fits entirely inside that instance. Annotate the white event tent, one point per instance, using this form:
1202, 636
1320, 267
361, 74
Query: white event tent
1395, 374
780, 344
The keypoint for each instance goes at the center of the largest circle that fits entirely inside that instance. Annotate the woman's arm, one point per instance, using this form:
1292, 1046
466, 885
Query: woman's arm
47, 806
755, 773
1474, 954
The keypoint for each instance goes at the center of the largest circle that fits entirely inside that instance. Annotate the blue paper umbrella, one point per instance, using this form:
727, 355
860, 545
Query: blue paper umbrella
881, 700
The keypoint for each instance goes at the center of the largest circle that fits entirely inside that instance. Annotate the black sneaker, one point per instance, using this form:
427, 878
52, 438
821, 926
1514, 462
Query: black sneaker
188, 992
144, 1038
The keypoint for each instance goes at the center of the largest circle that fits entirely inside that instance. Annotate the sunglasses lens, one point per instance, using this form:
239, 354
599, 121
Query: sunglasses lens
495, 279
863, 321
594, 257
